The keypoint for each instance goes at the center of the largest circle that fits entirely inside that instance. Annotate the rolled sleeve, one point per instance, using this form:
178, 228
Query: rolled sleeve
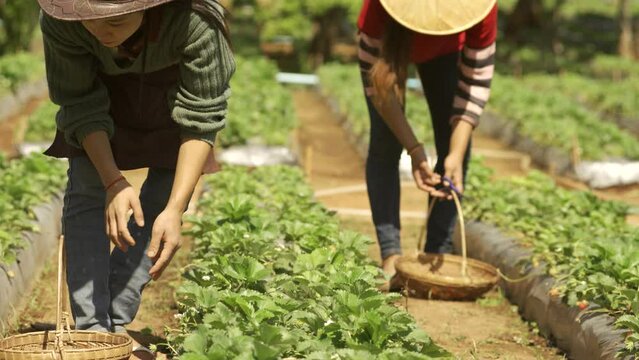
73, 82
201, 99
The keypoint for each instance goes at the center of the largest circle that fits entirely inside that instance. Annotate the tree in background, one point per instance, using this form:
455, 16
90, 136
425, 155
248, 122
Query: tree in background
18, 21
535, 15
545, 16
315, 28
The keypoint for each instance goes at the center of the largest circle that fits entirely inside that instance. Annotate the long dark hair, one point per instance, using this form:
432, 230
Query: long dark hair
389, 73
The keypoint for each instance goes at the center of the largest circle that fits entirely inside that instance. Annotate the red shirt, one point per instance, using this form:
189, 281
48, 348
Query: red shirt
373, 18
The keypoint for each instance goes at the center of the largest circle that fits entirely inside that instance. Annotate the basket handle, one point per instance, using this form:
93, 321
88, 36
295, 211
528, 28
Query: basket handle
61, 270
62, 318
462, 226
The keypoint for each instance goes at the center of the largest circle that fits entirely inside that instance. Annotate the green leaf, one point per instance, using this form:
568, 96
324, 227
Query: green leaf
193, 356
196, 343
629, 322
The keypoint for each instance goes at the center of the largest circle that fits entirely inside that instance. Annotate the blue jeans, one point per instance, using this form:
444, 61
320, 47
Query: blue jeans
439, 80
106, 287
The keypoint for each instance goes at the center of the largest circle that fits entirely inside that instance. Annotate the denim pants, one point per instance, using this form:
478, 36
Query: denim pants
106, 287
439, 81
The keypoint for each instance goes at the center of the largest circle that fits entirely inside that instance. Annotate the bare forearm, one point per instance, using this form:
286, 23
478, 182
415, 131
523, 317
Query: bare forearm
98, 148
191, 159
460, 139
394, 117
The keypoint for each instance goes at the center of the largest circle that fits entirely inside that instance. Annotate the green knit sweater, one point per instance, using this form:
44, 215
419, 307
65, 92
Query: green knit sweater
198, 102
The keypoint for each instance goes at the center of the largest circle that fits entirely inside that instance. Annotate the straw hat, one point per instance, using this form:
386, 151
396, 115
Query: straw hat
438, 17
74, 10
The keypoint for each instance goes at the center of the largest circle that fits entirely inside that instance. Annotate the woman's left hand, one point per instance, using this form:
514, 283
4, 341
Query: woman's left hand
165, 240
454, 170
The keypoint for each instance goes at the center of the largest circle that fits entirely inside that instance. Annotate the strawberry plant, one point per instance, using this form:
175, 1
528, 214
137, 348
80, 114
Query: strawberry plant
584, 242
260, 109
273, 276
25, 184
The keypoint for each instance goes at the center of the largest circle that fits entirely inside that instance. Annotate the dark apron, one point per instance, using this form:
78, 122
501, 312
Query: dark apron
145, 133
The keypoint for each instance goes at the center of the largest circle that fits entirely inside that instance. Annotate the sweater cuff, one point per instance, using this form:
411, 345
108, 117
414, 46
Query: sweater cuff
76, 137
208, 137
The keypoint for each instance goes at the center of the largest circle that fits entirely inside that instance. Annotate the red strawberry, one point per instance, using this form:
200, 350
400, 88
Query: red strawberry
583, 304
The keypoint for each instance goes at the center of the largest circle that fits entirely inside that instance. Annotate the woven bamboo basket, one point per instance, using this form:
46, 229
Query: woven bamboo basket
445, 276
64, 343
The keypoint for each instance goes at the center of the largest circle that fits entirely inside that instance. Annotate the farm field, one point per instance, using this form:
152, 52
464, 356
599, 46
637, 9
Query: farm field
281, 262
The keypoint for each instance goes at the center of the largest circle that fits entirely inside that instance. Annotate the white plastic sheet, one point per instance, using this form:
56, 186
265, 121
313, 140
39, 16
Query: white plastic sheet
406, 167
27, 148
608, 173
257, 155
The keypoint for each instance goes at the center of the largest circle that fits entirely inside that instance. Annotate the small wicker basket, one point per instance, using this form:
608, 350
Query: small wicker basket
65, 344
444, 276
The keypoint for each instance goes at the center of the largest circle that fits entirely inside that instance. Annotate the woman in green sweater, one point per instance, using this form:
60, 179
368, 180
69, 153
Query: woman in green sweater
140, 83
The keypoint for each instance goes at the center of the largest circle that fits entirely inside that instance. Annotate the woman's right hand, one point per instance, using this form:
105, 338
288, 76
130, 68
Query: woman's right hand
425, 178
120, 198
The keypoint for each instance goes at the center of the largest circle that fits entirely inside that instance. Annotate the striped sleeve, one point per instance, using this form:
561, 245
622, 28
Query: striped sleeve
368, 53
476, 70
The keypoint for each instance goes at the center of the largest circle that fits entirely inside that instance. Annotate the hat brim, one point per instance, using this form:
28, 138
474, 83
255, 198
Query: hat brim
76, 10
453, 26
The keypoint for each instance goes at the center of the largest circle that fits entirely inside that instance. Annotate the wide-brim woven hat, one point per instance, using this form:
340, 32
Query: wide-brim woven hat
75, 10
438, 17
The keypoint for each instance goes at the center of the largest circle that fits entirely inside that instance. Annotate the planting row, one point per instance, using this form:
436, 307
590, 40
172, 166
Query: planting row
25, 183
553, 119
16, 69
260, 109
274, 276
584, 242
41, 126
616, 99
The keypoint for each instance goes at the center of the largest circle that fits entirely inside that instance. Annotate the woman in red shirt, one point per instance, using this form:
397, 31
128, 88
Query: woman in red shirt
452, 44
